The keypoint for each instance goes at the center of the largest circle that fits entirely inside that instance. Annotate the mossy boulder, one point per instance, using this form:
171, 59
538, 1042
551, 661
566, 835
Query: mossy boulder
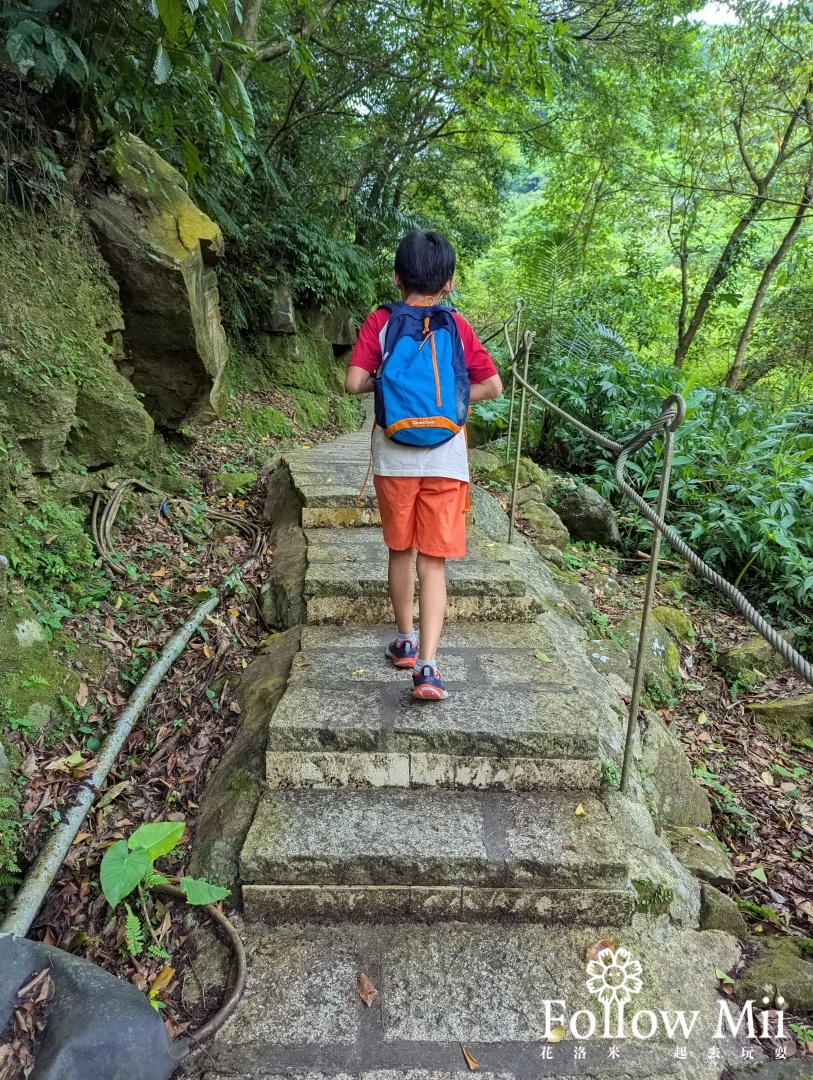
779, 968
111, 425
40, 414
586, 514
754, 657
162, 250
233, 483
547, 524
674, 797
791, 718
482, 461
31, 677
529, 473
349, 413
702, 853
720, 912
310, 410
262, 420
610, 658
677, 622
662, 657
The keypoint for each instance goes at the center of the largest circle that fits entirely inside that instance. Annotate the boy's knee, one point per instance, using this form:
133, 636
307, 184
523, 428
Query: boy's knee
431, 560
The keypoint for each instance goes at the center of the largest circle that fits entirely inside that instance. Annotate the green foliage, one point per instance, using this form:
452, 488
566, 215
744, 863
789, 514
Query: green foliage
52, 550
198, 891
122, 870
652, 897
133, 933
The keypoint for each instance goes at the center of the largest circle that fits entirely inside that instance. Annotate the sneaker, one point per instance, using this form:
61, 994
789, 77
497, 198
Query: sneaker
403, 655
428, 684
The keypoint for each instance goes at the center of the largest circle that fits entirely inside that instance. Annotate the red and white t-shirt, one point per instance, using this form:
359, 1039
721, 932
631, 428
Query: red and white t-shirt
450, 459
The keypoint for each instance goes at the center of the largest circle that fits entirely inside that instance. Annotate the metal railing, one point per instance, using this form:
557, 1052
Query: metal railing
672, 415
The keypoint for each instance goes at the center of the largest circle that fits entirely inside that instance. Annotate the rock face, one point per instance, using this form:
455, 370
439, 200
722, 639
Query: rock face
662, 655
780, 968
673, 795
703, 854
162, 250
586, 514
720, 912
753, 655
547, 524
790, 717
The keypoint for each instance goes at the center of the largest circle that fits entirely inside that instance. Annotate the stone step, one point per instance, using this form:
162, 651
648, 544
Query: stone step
346, 581
319, 771
497, 989
486, 840
517, 699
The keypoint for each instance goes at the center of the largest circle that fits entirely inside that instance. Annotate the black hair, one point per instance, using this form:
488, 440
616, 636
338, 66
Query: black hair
424, 261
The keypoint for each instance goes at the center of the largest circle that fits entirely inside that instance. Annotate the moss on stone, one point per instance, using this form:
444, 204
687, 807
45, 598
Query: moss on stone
262, 420
349, 413
234, 483
677, 622
311, 410
652, 898
779, 969
792, 718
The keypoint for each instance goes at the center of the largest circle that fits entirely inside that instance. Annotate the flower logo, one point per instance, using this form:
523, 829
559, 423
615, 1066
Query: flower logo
614, 977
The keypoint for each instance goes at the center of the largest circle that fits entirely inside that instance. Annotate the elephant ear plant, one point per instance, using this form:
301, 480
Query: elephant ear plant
129, 866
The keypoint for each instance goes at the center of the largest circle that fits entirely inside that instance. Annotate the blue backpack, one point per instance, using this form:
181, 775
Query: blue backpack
422, 387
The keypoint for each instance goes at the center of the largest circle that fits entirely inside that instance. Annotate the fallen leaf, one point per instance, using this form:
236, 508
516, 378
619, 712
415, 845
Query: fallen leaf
759, 874
153, 599
302, 663
80, 837
557, 1034
599, 947
117, 604
208, 652
234, 707
112, 793
82, 694
767, 778
472, 1062
358, 671
580, 811
806, 906
159, 574
367, 992
702, 718
162, 980
235, 614
51, 539
29, 766
543, 657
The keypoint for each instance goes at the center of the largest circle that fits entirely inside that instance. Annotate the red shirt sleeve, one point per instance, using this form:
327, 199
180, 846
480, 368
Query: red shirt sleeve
479, 364
367, 350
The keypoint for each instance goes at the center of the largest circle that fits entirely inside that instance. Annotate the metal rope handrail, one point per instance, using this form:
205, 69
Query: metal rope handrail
671, 417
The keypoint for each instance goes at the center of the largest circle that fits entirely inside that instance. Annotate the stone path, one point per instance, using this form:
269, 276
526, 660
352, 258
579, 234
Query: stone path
462, 854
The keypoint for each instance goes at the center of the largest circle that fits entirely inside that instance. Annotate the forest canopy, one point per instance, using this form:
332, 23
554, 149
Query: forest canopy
643, 178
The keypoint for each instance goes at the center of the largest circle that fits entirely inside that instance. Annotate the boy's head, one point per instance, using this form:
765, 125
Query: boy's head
424, 263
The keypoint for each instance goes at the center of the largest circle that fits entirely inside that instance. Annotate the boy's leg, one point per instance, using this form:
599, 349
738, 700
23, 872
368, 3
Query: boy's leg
401, 580
432, 602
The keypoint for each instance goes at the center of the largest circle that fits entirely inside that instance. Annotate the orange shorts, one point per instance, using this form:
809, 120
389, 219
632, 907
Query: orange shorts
423, 512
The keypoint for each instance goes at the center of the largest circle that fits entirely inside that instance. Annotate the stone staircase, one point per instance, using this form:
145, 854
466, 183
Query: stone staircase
462, 854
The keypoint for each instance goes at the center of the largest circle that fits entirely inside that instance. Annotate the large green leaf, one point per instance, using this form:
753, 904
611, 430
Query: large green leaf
157, 838
199, 891
237, 97
171, 12
122, 870
162, 68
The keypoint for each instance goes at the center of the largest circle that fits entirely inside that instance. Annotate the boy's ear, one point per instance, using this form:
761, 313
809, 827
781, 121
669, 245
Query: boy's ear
447, 288
396, 280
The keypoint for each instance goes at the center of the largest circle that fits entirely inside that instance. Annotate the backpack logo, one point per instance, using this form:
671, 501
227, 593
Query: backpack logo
422, 388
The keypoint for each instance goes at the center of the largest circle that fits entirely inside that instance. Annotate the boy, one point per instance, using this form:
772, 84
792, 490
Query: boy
422, 490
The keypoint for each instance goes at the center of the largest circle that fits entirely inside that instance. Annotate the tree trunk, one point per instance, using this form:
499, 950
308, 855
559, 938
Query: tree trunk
716, 278
734, 373
247, 26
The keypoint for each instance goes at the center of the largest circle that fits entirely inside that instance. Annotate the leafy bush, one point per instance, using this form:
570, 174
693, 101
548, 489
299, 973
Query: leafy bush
743, 469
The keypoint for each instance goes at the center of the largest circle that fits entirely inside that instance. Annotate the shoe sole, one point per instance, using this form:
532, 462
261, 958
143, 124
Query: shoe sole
401, 661
429, 693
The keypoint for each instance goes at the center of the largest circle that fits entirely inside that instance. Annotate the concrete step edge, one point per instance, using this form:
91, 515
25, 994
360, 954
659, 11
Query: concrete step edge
330, 770
570, 907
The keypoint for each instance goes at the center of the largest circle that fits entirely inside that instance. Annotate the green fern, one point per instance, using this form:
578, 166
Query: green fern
159, 952
152, 877
133, 933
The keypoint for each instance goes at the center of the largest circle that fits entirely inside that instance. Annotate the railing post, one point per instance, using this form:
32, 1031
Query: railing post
649, 597
526, 350
511, 410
